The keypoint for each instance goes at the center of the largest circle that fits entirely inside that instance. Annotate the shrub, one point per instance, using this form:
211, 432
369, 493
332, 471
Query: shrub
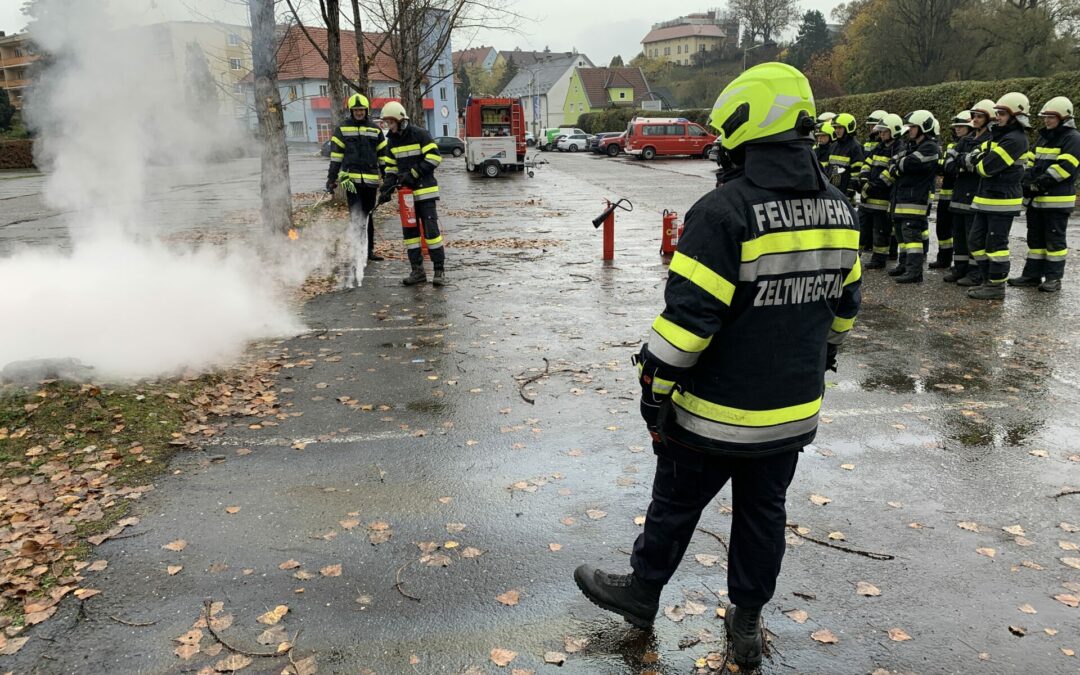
17, 154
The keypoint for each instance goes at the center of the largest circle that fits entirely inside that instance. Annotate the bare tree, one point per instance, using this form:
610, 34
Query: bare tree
276, 194
765, 18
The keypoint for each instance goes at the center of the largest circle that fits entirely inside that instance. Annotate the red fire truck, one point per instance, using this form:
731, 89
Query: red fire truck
494, 136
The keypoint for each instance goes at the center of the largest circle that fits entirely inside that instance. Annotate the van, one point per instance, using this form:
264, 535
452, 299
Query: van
648, 137
548, 137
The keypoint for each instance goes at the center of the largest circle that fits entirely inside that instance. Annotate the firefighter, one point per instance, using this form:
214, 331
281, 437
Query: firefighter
1050, 183
768, 266
913, 171
877, 191
824, 133
845, 155
957, 250
360, 147
866, 219
999, 197
944, 222
965, 271
411, 161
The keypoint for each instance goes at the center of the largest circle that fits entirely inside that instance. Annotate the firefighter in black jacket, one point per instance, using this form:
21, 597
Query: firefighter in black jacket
824, 134
866, 218
763, 288
912, 173
958, 252
411, 161
999, 197
357, 150
946, 235
845, 156
1050, 184
877, 191
965, 271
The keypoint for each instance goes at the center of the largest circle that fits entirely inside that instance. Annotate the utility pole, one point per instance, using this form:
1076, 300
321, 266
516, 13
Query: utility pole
274, 185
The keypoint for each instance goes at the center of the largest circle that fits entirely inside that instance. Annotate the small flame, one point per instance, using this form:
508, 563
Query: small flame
293, 234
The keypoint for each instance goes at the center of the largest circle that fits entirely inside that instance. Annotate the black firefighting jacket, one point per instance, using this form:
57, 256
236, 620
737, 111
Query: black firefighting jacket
877, 193
1001, 170
1052, 174
821, 152
411, 160
357, 149
764, 285
912, 173
845, 162
948, 181
967, 181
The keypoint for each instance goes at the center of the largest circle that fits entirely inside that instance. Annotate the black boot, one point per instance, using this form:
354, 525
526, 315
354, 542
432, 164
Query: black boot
944, 260
958, 272
634, 599
418, 276
1050, 286
913, 270
440, 277
973, 278
1024, 281
988, 291
375, 257
877, 262
901, 266
744, 633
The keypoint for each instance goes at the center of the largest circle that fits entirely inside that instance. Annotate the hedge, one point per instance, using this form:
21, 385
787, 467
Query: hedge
949, 98
17, 154
616, 119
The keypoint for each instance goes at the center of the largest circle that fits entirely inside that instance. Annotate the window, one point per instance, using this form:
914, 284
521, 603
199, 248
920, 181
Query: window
238, 88
442, 93
292, 92
675, 129
445, 130
18, 52
701, 47
324, 90
234, 39
296, 129
622, 94
667, 51
442, 70
580, 107
236, 64
696, 130
393, 92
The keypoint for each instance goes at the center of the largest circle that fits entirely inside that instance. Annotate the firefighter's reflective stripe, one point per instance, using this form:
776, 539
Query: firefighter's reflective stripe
875, 204
840, 329
944, 195
1047, 153
382, 145
389, 163
337, 141
367, 178
426, 193
723, 423
799, 240
406, 150
337, 156
1054, 202
412, 242
911, 209
1036, 254
997, 254
674, 345
945, 244
842, 160
1057, 172
1007, 205
702, 277
437, 242
798, 261
1057, 256
660, 386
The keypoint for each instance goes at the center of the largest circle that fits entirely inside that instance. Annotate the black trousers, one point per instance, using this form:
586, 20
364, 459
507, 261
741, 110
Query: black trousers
866, 229
682, 490
1046, 243
943, 226
911, 233
362, 208
989, 242
427, 217
882, 224
961, 253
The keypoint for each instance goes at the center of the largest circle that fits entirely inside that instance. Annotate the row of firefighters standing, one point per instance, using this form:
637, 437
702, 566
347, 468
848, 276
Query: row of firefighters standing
988, 175
376, 164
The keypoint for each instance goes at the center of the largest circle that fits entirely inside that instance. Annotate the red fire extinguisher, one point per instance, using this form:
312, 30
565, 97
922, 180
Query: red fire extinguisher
669, 239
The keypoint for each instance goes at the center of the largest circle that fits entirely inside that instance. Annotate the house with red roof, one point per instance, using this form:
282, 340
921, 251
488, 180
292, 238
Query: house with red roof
595, 89
679, 39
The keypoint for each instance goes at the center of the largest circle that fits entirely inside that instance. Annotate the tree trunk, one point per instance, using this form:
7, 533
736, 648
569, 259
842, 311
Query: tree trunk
331, 10
409, 70
361, 54
274, 186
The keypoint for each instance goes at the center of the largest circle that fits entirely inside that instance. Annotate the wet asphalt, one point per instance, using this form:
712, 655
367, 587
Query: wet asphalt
944, 410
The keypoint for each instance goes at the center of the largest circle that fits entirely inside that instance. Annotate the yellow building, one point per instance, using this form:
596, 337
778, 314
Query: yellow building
15, 59
677, 41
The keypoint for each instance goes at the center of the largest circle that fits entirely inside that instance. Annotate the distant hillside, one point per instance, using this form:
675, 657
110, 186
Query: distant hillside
690, 86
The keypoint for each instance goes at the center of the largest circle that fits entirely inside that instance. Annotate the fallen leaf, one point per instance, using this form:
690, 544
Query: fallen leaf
555, 658
454, 528
1031, 564
595, 514
898, 635
331, 571
1018, 631
639, 520
573, 645
173, 570
176, 546
272, 636
84, 593
721, 612
1072, 562
1014, 530
1067, 599
847, 467
1039, 453
1069, 527
192, 637
797, 615
509, 598
186, 651
555, 547
1026, 609
471, 552
308, 666
348, 524
1050, 631
273, 616
819, 500
867, 589
100, 565
232, 663
1068, 546
568, 521
1067, 652
836, 536
706, 559
232, 509
502, 657
675, 613
824, 636
693, 608
15, 644
986, 551
303, 575
967, 525
289, 565
451, 544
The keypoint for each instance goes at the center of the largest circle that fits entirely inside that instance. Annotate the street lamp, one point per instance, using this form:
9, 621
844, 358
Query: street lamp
767, 43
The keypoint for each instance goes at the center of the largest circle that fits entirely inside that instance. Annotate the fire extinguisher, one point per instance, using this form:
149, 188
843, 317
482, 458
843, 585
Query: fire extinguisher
669, 239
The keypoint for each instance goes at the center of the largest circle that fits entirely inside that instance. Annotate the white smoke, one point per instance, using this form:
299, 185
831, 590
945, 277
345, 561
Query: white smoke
121, 300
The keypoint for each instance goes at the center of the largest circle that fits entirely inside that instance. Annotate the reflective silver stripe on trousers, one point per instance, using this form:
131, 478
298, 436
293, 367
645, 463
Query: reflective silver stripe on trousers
669, 353
423, 197
960, 258
1053, 205
874, 207
959, 206
922, 207
836, 338
730, 433
797, 261
1056, 258
996, 208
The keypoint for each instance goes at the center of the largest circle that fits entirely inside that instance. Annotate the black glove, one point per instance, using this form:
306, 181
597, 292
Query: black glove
972, 159
331, 184
385, 194
1044, 183
830, 357
408, 181
651, 403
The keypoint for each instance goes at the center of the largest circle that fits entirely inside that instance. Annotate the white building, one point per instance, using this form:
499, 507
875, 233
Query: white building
542, 88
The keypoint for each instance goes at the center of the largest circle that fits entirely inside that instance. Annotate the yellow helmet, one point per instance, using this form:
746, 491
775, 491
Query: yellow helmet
1060, 106
985, 106
358, 101
825, 129
766, 102
962, 119
922, 119
845, 121
874, 118
395, 111
891, 122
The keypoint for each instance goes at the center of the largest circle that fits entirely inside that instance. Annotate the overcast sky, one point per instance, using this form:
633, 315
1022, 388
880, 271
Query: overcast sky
598, 28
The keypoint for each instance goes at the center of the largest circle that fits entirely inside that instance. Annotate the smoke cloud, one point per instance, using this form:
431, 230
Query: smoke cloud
110, 113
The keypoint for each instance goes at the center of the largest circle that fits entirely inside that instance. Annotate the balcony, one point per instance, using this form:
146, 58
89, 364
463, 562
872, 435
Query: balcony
18, 61
320, 102
14, 84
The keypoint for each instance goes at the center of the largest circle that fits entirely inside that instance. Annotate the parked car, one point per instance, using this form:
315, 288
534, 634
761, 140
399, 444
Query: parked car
549, 137
450, 145
530, 140
612, 145
648, 137
594, 144
573, 142
325, 151
714, 150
